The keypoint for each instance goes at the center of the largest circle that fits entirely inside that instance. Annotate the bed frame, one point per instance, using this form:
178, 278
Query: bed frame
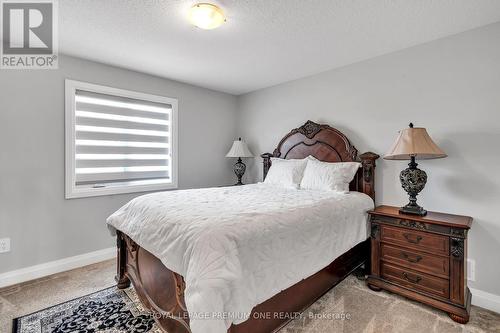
162, 291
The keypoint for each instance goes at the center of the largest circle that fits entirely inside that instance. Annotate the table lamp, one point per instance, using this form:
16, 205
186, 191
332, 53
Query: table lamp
239, 150
413, 143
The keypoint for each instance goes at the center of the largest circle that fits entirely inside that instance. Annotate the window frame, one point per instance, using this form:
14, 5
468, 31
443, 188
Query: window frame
73, 191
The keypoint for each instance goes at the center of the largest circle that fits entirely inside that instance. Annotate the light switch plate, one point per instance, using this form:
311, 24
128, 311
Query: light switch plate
471, 270
4, 245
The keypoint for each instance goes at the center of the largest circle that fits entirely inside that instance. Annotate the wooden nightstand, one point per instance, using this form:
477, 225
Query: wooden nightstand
422, 258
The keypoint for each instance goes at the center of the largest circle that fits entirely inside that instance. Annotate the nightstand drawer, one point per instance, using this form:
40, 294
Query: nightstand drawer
415, 239
415, 280
416, 260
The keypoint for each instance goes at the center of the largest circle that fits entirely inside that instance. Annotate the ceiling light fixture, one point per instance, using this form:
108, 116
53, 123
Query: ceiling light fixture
206, 16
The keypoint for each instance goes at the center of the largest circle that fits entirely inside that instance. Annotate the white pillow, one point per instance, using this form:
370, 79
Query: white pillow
287, 173
329, 176
310, 157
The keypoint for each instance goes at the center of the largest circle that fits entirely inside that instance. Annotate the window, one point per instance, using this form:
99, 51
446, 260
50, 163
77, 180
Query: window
118, 141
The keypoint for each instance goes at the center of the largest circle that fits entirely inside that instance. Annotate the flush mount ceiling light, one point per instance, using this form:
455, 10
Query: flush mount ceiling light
206, 16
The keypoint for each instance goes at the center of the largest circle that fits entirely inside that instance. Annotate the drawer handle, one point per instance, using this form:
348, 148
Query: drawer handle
417, 279
413, 260
414, 241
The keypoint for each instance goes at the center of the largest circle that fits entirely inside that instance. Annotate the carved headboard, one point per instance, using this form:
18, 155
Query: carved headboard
329, 145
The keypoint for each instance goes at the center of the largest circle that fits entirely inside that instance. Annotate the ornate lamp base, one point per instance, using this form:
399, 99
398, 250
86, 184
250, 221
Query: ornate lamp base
413, 182
413, 210
239, 170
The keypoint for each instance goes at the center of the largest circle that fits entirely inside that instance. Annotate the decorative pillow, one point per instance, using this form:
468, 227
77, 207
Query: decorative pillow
329, 176
287, 173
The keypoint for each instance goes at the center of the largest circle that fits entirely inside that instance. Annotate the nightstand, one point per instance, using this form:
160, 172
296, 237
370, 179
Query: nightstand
422, 258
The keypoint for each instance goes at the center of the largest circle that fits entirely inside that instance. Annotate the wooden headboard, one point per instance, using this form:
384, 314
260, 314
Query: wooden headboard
329, 145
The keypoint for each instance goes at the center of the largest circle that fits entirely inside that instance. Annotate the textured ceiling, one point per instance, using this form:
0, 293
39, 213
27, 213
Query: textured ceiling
264, 42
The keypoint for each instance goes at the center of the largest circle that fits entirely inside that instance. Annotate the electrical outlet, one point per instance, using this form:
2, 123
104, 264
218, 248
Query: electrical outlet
4, 245
471, 270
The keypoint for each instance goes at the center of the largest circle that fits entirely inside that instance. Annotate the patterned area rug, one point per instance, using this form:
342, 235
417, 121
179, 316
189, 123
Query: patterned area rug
108, 310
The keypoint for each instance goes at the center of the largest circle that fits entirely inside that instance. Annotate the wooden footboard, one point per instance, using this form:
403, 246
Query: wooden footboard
159, 289
162, 291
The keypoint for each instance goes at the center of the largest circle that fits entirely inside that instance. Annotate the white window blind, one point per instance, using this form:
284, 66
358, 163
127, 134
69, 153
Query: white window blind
121, 141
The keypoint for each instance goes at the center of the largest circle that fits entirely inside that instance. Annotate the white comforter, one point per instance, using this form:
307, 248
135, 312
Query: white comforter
238, 246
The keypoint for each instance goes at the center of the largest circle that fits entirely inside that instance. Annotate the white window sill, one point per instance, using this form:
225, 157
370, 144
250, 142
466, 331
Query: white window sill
120, 188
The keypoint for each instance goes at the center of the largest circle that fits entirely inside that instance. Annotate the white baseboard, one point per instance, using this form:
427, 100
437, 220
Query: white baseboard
485, 300
53, 267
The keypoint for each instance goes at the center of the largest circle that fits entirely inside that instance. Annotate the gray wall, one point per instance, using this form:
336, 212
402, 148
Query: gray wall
42, 225
450, 86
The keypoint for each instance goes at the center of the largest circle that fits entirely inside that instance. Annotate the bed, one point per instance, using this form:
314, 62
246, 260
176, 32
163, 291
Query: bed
238, 252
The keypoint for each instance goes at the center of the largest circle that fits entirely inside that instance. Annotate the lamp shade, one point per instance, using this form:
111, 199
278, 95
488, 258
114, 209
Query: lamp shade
414, 142
239, 149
